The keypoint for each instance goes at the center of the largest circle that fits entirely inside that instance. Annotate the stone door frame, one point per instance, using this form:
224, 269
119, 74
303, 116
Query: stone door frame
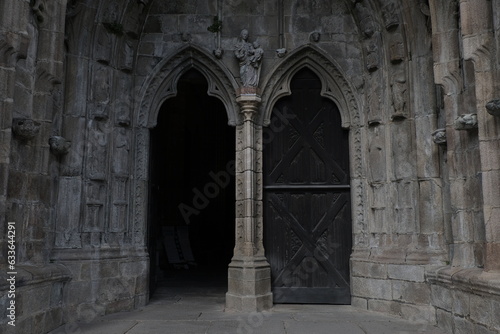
249, 282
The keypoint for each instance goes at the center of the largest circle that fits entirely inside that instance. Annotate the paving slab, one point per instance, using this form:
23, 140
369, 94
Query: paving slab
193, 311
170, 327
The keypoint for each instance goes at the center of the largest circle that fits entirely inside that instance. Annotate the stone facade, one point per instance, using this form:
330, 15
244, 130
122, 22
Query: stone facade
82, 82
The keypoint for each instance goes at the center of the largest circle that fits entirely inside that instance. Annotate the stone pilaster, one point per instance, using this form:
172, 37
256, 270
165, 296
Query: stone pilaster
249, 274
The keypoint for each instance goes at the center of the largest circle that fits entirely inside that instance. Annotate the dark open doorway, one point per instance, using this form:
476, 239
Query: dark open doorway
192, 192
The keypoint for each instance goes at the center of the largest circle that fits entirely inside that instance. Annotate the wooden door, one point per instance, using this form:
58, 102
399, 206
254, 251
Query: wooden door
307, 213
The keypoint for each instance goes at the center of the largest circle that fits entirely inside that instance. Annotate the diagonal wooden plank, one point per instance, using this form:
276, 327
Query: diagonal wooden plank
307, 240
308, 137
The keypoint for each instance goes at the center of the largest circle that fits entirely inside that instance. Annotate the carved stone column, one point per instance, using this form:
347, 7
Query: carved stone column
249, 274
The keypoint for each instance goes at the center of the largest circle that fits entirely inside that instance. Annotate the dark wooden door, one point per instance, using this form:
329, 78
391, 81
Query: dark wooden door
307, 213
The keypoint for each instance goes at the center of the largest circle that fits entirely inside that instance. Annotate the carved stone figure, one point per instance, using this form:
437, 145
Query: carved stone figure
439, 136
97, 151
315, 36
39, 9
122, 147
372, 52
493, 107
466, 122
399, 88
281, 52
25, 129
391, 19
218, 53
102, 46
397, 49
59, 145
101, 93
126, 56
366, 22
250, 57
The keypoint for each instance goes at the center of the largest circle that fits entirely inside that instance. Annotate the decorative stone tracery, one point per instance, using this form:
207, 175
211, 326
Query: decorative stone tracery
162, 84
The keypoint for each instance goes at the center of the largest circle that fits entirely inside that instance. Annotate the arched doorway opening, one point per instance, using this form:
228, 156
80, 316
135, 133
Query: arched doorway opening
307, 204
192, 192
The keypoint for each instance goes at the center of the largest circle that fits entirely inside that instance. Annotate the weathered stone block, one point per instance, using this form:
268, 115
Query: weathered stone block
134, 269
369, 269
34, 300
53, 319
441, 297
461, 303
109, 269
406, 272
411, 292
371, 288
385, 306
444, 320
87, 312
430, 206
481, 310
495, 311
120, 306
462, 326
419, 313
360, 303
78, 292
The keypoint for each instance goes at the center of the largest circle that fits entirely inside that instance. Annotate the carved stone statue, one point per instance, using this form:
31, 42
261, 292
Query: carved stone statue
493, 107
250, 57
59, 145
466, 122
25, 128
439, 136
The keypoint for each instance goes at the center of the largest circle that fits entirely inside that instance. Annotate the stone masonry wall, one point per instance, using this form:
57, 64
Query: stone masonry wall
90, 75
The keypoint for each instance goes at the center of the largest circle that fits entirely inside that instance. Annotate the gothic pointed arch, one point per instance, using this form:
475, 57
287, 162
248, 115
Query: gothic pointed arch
162, 84
333, 82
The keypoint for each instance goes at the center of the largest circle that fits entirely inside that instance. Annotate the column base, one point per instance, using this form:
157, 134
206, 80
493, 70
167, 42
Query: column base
249, 285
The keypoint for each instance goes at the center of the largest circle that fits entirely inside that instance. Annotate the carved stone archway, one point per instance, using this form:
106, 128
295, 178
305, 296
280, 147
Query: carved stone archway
160, 85
333, 82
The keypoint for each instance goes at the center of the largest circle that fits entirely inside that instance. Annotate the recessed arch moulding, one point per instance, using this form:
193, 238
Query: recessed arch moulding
334, 85
162, 84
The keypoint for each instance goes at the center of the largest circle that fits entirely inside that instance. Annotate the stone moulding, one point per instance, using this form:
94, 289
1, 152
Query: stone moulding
25, 128
333, 82
493, 107
162, 84
474, 280
466, 122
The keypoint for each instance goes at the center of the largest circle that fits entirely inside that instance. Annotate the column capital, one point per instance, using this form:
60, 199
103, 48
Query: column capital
249, 101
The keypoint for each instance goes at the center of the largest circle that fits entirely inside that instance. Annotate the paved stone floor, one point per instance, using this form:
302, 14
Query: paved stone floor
180, 309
